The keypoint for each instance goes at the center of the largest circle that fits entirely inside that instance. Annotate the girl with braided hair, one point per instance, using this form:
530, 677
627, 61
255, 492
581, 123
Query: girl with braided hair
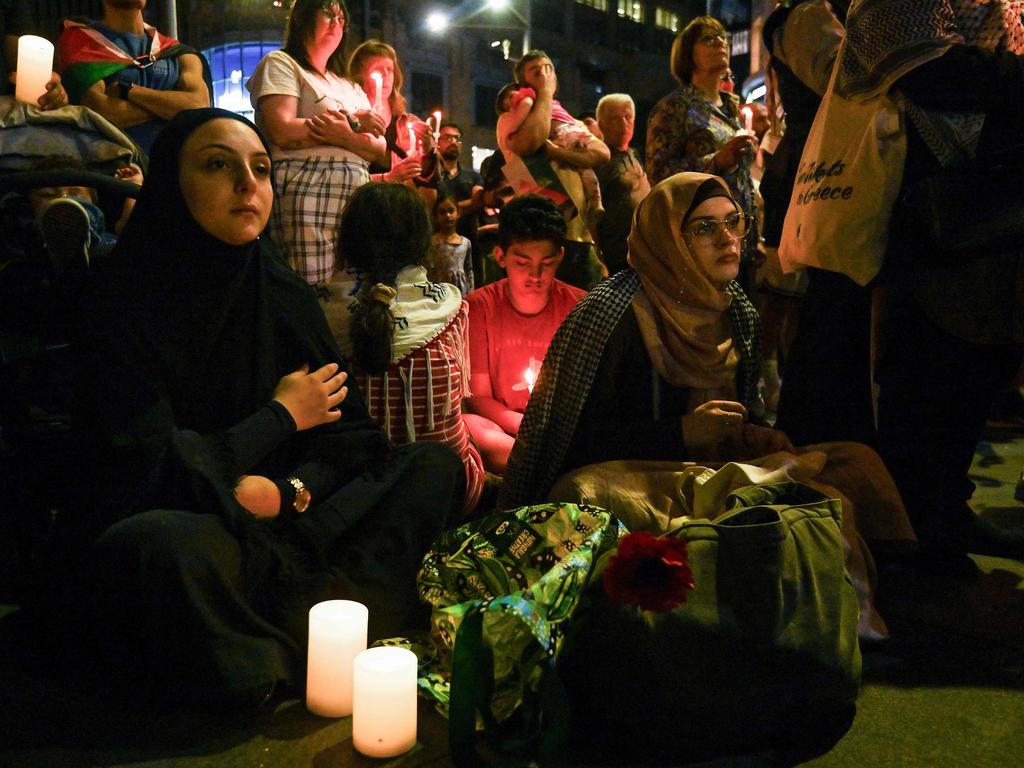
405, 334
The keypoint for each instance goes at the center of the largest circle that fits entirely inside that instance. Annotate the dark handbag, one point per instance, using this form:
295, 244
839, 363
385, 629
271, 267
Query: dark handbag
762, 657
972, 209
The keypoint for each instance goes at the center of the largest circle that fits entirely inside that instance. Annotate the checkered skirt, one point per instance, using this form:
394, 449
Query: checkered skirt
311, 194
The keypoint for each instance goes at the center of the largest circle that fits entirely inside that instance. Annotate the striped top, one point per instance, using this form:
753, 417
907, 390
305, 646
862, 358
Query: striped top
419, 397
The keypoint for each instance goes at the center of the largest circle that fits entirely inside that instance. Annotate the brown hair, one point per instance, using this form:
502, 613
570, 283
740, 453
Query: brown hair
681, 58
379, 254
298, 31
517, 70
357, 64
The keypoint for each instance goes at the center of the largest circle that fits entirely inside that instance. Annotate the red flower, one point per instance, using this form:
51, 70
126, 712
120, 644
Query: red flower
649, 572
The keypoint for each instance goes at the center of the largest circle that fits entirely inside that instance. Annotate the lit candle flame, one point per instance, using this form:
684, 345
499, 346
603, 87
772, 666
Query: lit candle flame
378, 88
530, 377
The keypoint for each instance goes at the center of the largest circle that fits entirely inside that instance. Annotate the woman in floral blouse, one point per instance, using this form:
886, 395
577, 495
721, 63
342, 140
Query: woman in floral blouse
694, 128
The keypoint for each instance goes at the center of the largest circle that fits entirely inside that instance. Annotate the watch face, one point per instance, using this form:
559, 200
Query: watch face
302, 495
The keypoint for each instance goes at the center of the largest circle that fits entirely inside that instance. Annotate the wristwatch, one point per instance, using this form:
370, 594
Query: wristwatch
302, 495
126, 86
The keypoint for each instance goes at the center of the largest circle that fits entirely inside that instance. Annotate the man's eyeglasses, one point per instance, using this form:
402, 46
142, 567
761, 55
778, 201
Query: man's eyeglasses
710, 39
449, 137
708, 231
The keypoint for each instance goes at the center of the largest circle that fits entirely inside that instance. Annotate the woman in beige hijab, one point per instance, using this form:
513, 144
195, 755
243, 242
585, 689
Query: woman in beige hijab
660, 362
656, 371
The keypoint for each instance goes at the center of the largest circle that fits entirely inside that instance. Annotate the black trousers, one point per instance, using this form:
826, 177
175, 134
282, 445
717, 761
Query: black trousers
826, 385
935, 393
176, 616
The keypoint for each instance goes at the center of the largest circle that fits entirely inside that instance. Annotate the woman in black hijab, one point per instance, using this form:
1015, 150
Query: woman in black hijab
234, 481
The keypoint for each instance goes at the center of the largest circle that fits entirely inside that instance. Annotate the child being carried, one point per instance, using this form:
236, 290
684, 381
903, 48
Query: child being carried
514, 104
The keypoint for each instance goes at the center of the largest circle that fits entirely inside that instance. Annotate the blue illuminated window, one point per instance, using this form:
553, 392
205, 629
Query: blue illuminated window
231, 65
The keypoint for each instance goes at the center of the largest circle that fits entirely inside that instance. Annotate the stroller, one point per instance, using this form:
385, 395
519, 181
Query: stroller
37, 298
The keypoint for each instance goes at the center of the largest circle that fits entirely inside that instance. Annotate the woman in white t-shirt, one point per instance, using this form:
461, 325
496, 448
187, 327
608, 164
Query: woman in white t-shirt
322, 130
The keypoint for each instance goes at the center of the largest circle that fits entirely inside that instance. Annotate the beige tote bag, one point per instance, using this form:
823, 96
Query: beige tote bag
849, 176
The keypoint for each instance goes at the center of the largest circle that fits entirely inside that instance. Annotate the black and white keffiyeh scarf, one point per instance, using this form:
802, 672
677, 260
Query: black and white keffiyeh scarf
885, 39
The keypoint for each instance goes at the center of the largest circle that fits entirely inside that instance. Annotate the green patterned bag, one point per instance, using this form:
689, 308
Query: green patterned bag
503, 589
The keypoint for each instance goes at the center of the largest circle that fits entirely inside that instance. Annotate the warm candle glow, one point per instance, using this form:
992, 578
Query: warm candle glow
412, 141
337, 634
378, 91
530, 376
437, 123
35, 68
384, 690
748, 119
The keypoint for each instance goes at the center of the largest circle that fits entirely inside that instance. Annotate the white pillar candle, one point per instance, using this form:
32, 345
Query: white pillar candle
748, 119
378, 91
412, 141
384, 691
437, 123
337, 634
35, 68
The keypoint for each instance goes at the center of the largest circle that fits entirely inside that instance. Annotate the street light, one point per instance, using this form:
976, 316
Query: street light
438, 22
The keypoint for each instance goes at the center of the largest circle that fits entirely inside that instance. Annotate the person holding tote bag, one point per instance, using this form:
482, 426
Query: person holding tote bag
952, 331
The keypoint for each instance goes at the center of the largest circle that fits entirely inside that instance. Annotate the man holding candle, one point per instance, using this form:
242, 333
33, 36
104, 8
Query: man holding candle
130, 73
16, 20
512, 323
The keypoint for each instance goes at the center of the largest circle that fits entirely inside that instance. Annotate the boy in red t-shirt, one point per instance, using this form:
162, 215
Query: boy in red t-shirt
511, 323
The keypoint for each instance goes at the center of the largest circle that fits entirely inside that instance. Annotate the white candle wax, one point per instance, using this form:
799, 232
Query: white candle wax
378, 90
437, 124
35, 68
337, 634
748, 118
384, 690
412, 141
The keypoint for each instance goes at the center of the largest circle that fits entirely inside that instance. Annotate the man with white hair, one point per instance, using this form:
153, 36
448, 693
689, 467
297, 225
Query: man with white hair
623, 180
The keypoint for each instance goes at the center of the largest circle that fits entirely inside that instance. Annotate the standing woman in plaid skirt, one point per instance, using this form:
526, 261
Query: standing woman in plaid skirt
322, 130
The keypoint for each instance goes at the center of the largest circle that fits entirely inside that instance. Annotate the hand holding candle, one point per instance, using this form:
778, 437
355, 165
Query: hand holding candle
35, 68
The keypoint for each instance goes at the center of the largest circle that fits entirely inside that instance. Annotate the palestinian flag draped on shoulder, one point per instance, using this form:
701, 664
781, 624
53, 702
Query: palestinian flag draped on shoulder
87, 56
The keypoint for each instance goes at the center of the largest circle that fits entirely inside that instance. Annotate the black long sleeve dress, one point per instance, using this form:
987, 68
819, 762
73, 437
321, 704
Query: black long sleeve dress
182, 342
